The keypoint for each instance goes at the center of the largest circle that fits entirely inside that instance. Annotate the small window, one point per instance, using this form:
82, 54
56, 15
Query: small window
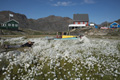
9, 24
16, 25
85, 22
3, 25
12, 25
76, 22
114, 25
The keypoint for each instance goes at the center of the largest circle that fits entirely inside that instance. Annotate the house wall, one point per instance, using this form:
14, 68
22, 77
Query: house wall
10, 25
81, 22
114, 25
2, 26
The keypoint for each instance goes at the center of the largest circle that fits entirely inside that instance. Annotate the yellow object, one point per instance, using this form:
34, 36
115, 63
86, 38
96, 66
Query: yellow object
67, 36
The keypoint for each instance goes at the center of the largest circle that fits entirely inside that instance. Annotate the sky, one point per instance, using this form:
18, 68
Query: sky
98, 10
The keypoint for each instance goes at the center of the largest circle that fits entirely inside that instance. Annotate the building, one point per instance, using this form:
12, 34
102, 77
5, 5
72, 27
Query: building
93, 25
11, 25
114, 25
79, 21
104, 28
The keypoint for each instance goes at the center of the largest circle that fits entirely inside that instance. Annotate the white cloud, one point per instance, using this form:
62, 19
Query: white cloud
62, 4
89, 1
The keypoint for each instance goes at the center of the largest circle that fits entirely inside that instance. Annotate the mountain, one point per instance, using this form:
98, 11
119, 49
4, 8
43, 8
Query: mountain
48, 24
104, 24
118, 21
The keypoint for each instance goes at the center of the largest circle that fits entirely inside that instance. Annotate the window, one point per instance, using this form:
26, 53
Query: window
85, 22
12, 25
3, 25
16, 25
76, 22
114, 25
9, 24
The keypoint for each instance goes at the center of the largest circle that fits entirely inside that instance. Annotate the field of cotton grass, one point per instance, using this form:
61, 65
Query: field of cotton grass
86, 59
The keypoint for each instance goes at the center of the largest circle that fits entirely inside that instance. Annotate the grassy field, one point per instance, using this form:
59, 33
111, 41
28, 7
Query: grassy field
91, 59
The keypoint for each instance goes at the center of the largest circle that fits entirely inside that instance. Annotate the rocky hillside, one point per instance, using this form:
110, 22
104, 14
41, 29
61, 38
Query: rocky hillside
49, 24
108, 23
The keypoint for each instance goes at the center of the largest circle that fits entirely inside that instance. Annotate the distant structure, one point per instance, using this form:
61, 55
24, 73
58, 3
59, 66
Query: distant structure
11, 25
114, 25
104, 27
93, 25
79, 21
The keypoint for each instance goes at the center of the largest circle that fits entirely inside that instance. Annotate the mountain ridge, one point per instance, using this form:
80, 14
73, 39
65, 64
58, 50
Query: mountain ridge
49, 24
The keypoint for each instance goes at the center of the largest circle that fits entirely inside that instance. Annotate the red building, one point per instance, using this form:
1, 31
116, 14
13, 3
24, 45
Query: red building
79, 20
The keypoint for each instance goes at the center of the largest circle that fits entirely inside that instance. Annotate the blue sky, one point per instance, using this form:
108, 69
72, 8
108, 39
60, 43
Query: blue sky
98, 10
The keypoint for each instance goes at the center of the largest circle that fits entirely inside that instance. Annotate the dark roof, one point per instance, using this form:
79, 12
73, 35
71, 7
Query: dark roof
80, 17
12, 20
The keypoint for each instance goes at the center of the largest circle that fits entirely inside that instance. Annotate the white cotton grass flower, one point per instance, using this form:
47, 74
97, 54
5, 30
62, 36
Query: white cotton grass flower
4, 73
3, 68
69, 73
27, 65
77, 79
61, 79
0, 60
45, 75
10, 60
58, 64
88, 78
55, 78
49, 79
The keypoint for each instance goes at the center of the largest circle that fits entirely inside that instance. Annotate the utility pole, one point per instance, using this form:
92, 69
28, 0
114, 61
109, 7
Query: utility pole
9, 16
107, 24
